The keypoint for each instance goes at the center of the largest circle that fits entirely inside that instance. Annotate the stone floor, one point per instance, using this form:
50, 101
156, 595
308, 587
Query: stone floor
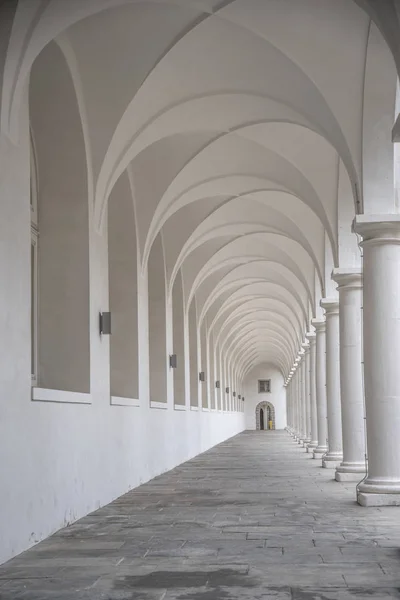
254, 518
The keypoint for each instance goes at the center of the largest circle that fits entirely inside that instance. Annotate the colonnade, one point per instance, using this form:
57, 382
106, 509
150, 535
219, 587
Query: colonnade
343, 391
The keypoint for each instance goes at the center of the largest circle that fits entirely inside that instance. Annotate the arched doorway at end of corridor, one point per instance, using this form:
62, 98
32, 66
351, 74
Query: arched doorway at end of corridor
265, 416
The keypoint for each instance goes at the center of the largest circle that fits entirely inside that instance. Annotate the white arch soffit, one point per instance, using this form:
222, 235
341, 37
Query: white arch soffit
228, 220
252, 337
271, 209
219, 261
247, 158
72, 64
261, 354
133, 121
274, 294
259, 359
273, 276
258, 349
252, 291
60, 20
243, 283
218, 133
241, 233
247, 363
267, 270
36, 24
291, 149
275, 306
266, 332
297, 268
259, 247
248, 324
236, 318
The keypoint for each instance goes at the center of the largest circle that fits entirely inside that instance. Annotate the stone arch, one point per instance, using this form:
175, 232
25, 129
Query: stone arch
267, 407
62, 223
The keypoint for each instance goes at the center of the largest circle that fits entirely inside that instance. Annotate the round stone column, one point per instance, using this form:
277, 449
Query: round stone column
295, 406
320, 383
306, 374
351, 376
292, 405
381, 327
288, 406
289, 411
297, 401
313, 394
334, 456
302, 397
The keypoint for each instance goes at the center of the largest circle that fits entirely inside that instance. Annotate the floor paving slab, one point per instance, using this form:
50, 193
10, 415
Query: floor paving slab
252, 518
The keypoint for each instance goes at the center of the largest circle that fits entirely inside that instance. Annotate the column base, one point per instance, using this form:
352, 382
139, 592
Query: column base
368, 499
339, 476
306, 442
332, 460
350, 471
311, 447
378, 492
319, 451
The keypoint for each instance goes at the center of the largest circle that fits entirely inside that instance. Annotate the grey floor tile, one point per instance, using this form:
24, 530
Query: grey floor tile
253, 518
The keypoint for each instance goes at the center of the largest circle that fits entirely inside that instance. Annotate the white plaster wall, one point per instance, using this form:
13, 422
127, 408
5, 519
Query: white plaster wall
66, 460
277, 397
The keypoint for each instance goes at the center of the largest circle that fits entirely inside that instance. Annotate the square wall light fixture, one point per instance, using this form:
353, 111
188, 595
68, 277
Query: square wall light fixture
105, 323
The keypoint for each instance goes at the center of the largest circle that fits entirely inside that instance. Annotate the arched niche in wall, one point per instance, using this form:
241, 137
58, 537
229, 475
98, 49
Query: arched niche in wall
179, 341
122, 277
62, 306
204, 366
194, 372
157, 323
212, 373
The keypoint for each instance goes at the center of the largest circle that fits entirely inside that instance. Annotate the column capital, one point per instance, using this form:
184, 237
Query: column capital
348, 278
378, 229
330, 306
306, 347
311, 336
319, 324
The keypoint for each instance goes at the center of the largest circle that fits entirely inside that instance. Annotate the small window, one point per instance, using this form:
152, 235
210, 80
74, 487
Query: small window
264, 386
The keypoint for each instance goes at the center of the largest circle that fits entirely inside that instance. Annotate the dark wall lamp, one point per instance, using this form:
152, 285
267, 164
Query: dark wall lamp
217, 384
173, 361
239, 397
234, 394
202, 376
105, 323
243, 398
227, 390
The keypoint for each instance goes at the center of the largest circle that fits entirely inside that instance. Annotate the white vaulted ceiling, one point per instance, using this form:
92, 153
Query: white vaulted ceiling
233, 120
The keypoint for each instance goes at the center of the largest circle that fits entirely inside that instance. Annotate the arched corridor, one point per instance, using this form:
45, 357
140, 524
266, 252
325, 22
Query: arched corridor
199, 236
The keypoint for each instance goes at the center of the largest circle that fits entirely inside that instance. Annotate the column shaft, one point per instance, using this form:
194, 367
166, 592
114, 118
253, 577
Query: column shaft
334, 456
351, 384
313, 394
381, 326
307, 394
320, 381
302, 395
